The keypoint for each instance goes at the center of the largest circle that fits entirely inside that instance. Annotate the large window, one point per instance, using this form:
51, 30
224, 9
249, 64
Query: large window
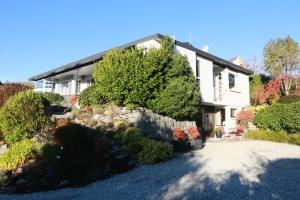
231, 78
65, 88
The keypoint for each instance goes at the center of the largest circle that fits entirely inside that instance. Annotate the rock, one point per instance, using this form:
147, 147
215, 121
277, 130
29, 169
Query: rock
3, 148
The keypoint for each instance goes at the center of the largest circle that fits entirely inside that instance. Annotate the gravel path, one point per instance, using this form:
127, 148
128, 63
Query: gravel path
222, 170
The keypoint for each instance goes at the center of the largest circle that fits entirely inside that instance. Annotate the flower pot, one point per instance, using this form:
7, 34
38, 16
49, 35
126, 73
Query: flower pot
218, 134
196, 144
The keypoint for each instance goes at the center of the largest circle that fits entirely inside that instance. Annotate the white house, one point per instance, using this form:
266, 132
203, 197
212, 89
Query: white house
224, 86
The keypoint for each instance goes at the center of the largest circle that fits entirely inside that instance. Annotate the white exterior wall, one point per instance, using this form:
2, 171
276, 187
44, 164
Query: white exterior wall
149, 44
206, 80
231, 98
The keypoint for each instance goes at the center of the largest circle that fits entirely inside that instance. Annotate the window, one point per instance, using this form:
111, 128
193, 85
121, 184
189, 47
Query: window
232, 112
65, 87
197, 68
78, 86
39, 84
91, 82
231, 78
48, 84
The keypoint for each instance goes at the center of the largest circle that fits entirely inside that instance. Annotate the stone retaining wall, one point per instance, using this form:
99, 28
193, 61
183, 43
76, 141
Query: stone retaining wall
151, 123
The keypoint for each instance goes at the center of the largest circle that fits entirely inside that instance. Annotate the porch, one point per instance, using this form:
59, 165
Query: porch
68, 83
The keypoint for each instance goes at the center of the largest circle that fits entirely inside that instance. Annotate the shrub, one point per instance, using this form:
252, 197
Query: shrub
154, 151
180, 134
244, 117
289, 99
22, 116
179, 100
4, 178
91, 96
53, 98
159, 79
290, 117
194, 132
18, 154
268, 118
98, 109
9, 89
76, 138
274, 136
132, 141
279, 117
77, 150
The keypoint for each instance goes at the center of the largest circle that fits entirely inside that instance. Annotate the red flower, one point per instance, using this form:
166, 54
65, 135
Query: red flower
194, 132
73, 99
179, 134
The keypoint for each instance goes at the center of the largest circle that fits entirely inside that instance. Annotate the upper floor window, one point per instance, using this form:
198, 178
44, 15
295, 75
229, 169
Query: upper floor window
231, 79
197, 69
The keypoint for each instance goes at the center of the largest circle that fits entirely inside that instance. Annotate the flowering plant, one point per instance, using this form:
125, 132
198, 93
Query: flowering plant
179, 134
73, 99
194, 132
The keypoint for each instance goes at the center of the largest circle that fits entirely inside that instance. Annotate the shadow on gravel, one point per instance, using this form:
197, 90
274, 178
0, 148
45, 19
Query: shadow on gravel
280, 180
189, 177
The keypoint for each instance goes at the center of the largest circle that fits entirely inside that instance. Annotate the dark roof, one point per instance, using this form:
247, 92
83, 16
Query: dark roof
96, 57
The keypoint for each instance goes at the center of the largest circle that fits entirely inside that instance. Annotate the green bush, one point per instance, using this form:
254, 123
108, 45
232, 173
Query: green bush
289, 99
132, 140
18, 154
154, 151
91, 96
22, 116
279, 117
179, 100
77, 151
143, 78
290, 117
76, 138
269, 118
281, 137
53, 98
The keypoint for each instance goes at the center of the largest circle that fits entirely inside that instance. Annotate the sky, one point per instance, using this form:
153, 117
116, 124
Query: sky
37, 36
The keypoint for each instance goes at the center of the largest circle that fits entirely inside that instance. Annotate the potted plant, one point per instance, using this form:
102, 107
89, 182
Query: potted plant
195, 141
218, 132
180, 144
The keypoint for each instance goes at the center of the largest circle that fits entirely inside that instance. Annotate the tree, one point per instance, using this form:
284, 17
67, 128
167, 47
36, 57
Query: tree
135, 76
281, 58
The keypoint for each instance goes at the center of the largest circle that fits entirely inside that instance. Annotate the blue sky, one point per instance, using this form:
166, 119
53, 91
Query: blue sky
36, 36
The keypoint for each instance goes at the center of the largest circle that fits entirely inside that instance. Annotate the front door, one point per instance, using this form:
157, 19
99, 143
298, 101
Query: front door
209, 121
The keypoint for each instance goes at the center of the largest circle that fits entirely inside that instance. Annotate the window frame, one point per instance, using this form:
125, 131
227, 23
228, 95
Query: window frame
231, 76
233, 112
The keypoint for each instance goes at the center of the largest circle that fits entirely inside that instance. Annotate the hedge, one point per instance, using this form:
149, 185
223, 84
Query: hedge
279, 117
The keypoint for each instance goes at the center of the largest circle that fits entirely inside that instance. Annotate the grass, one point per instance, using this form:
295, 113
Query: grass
281, 137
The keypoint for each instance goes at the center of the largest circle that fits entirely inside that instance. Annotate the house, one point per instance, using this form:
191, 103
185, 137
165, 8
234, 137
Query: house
224, 86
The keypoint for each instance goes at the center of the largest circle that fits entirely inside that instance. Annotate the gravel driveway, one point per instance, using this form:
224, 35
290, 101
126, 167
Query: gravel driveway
222, 170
